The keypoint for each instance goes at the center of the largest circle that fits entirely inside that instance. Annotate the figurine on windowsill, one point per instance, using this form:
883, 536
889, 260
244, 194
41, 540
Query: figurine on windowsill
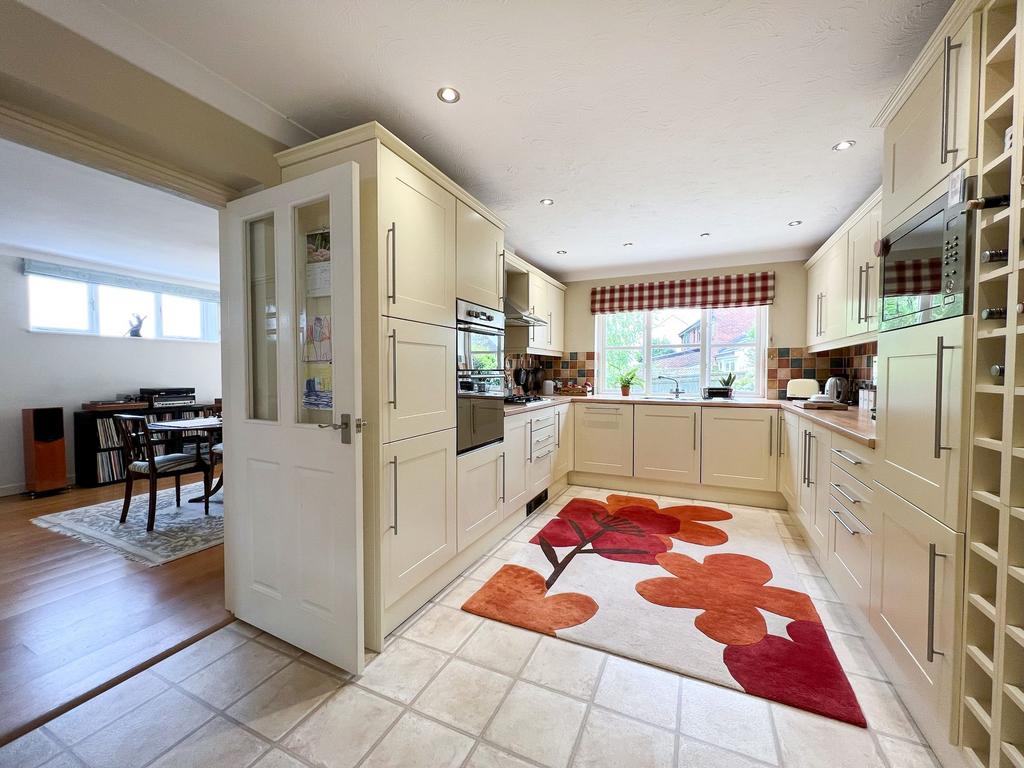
135, 327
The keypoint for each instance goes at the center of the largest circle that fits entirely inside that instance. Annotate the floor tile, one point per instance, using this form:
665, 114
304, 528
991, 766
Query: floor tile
235, 674
805, 739
538, 724
443, 628
329, 669
219, 742
276, 705
639, 691
819, 588
85, 719
243, 628
718, 715
63, 760
613, 741
275, 758
464, 695
564, 666
883, 709
189, 661
836, 617
796, 547
501, 647
29, 751
806, 564
854, 655
460, 593
524, 534
511, 549
279, 645
903, 754
487, 756
344, 729
145, 732
486, 569
697, 754
417, 742
402, 670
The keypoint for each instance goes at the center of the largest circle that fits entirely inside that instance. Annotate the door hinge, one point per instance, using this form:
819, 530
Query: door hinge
361, 424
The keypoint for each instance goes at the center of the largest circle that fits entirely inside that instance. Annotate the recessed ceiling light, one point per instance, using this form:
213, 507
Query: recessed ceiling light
561, 253
844, 145
705, 234
795, 223
546, 201
626, 245
448, 95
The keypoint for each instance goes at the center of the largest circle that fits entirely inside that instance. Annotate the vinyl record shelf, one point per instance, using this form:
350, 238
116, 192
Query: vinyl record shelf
992, 682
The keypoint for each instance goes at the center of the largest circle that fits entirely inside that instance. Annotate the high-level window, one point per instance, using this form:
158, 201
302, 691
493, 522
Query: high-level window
695, 347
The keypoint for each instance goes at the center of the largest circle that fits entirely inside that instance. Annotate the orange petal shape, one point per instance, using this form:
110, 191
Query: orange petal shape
692, 529
518, 596
618, 501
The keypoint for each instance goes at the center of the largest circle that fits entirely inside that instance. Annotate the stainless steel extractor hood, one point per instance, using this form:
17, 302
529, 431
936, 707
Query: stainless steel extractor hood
518, 316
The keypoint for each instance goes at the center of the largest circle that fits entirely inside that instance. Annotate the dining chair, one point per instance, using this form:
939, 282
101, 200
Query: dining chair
141, 460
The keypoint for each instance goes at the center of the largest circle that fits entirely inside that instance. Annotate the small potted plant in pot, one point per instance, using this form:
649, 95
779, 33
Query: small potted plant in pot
724, 391
627, 380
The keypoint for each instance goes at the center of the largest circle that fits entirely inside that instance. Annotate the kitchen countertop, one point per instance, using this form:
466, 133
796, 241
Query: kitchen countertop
855, 423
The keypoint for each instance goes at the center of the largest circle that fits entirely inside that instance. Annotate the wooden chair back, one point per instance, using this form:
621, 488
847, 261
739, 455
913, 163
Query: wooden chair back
136, 439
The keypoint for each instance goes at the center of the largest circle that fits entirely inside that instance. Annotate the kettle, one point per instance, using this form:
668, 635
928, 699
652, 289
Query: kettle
836, 388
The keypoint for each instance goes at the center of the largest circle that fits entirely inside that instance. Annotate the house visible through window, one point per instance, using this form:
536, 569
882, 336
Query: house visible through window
694, 347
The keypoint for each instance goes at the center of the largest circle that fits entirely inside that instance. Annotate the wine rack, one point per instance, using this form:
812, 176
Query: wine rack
992, 682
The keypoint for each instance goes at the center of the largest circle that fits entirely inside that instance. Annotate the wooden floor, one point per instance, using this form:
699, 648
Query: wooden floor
76, 619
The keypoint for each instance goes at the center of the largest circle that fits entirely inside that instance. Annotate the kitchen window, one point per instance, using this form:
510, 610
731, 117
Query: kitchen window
696, 347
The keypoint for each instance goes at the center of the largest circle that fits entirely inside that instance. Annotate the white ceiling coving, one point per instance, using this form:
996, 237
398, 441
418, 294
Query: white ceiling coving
646, 122
53, 205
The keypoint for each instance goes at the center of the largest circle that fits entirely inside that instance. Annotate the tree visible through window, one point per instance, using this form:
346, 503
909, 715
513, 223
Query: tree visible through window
691, 347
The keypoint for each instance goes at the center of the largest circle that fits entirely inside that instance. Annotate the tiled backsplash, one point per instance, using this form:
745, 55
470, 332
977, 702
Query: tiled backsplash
573, 368
787, 363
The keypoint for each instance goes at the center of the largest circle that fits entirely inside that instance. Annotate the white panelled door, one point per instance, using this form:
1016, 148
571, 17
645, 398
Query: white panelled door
291, 375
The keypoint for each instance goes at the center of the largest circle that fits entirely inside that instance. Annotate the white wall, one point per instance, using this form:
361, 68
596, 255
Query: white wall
50, 369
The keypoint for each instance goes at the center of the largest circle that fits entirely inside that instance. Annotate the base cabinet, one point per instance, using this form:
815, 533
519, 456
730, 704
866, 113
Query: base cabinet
666, 442
419, 377
541, 456
480, 492
604, 439
738, 448
517, 451
565, 443
789, 456
419, 515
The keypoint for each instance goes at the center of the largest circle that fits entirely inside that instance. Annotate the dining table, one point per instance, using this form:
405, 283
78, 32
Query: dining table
208, 425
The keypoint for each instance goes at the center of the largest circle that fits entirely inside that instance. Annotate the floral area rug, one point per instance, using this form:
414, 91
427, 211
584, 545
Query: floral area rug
702, 591
179, 531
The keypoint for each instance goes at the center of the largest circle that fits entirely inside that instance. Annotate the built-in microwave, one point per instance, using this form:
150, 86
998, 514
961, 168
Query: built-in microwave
925, 268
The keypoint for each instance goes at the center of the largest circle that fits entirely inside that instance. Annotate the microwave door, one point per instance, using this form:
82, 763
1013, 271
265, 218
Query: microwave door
912, 274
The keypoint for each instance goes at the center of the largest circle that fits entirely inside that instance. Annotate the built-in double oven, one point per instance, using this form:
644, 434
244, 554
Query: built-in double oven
480, 376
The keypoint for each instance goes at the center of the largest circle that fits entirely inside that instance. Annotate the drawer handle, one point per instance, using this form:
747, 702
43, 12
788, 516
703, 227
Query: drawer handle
545, 455
839, 489
933, 555
842, 522
852, 458
601, 408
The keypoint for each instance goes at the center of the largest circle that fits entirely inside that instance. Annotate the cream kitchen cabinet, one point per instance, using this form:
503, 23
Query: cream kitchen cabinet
544, 298
419, 518
666, 442
915, 606
604, 438
565, 443
480, 492
541, 456
479, 258
827, 293
417, 220
556, 318
812, 493
923, 400
850, 535
419, 379
517, 452
738, 448
929, 137
862, 273
790, 468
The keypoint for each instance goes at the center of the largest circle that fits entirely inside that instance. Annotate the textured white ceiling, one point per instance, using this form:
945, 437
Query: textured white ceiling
645, 121
53, 205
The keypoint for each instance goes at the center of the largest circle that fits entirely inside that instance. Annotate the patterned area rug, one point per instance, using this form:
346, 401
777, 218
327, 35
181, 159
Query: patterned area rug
179, 531
702, 591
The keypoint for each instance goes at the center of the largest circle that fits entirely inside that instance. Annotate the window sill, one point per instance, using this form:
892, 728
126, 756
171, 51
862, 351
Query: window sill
87, 334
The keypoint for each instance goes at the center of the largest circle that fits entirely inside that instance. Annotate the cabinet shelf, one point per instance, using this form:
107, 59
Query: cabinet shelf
1014, 755
989, 442
1016, 634
993, 333
1018, 452
990, 389
986, 552
972, 759
1003, 50
997, 162
1017, 512
1002, 108
1016, 572
986, 497
989, 611
995, 274
980, 713
1015, 694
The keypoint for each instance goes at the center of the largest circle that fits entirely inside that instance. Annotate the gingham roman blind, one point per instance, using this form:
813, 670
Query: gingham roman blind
749, 290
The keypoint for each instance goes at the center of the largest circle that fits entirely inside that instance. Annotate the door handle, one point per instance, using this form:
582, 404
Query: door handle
530, 457
501, 279
842, 455
839, 489
947, 57
867, 291
390, 239
940, 349
782, 430
394, 494
810, 437
933, 555
771, 435
860, 291
501, 496
694, 419
803, 463
550, 337
558, 430
842, 522
393, 402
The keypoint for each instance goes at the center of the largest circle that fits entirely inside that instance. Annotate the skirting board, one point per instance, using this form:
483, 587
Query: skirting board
769, 499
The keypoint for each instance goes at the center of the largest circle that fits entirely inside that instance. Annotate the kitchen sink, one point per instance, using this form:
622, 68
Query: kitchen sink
671, 399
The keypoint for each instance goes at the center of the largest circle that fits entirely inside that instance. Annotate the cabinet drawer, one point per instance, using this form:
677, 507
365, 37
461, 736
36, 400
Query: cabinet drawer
543, 437
854, 495
546, 419
848, 563
856, 459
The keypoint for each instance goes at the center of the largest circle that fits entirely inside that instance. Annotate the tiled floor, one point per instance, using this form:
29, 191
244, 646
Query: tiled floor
452, 689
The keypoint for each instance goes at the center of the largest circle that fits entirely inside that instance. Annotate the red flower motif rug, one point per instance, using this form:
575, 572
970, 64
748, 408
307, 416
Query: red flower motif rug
699, 590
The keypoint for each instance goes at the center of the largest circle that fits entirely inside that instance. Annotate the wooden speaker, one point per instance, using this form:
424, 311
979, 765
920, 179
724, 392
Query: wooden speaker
45, 461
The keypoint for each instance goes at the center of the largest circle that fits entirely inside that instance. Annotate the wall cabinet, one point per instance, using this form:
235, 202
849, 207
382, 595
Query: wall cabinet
666, 442
565, 443
923, 395
862, 273
418, 520
417, 231
545, 299
517, 451
827, 294
480, 492
419, 379
479, 258
738, 448
604, 438
914, 157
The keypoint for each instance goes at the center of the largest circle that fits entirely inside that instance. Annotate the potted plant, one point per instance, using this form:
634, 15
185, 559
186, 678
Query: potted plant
724, 391
627, 380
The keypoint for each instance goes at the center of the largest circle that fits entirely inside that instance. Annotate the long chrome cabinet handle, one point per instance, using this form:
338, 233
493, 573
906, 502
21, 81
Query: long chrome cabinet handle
860, 292
839, 489
530, 457
803, 466
947, 57
694, 417
550, 337
771, 435
940, 349
558, 430
393, 402
501, 279
933, 555
390, 238
810, 437
842, 455
867, 291
842, 522
782, 431
501, 497
394, 494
